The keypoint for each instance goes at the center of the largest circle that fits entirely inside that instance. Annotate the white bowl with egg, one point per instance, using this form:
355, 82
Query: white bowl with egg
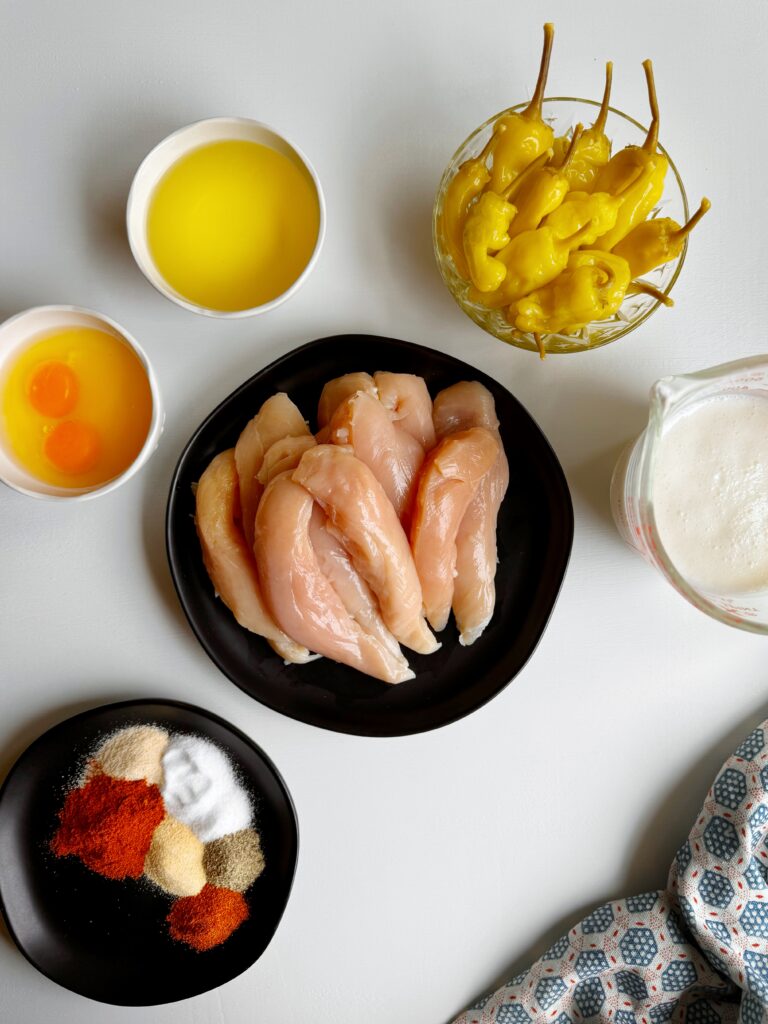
24, 329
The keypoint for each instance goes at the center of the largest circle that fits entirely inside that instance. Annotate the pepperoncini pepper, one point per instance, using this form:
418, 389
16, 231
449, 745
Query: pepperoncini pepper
637, 172
592, 287
580, 208
524, 134
532, 259
539, 190
593, 150
657, 241
485, 232
467, 183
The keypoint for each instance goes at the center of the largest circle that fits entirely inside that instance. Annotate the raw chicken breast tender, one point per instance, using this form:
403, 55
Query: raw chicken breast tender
277, 418
336, 390
461, 406
448, 483
356, 596
470, 404
363, 518
393, 456
283, 455
406, 399
299, 594
228, 559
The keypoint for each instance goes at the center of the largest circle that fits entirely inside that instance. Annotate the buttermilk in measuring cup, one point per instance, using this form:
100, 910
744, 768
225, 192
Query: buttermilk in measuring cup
710, 493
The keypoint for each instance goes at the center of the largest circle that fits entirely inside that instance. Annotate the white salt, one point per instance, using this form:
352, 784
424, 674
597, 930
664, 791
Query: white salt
201, 789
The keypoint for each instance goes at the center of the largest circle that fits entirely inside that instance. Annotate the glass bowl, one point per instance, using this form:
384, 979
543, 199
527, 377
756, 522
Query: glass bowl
563, 113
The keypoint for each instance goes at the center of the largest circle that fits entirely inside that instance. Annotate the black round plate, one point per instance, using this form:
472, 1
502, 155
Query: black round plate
535, 533
107, 939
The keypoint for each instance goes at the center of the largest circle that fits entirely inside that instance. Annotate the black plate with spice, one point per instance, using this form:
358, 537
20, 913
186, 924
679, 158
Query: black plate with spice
535, 532
107, 939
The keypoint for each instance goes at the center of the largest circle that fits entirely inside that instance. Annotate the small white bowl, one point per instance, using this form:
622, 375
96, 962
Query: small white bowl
22, 330
177, 145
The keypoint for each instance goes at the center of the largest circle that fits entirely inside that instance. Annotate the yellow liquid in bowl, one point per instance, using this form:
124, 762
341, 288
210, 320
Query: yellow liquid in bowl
76, 407
232, 225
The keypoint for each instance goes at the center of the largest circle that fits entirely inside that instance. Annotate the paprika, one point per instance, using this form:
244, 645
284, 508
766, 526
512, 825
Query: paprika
108, 824
207, 919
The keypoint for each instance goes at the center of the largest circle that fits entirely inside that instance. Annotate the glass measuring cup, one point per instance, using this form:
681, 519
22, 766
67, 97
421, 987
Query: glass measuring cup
633, 481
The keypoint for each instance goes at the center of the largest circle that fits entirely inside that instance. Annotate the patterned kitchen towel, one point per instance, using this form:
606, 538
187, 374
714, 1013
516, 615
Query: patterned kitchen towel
695, 953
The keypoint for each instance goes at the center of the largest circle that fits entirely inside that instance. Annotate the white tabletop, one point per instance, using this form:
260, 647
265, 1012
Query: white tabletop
430, 866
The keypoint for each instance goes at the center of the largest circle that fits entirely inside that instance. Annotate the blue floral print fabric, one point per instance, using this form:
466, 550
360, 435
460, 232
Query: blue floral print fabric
693, 953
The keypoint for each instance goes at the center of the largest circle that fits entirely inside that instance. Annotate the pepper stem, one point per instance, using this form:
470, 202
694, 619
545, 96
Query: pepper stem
652, 138
571, 151
533, 110
488, 148
687, 228
571, 242
525, 174
602, 117
538, 338
636, 173
648, 289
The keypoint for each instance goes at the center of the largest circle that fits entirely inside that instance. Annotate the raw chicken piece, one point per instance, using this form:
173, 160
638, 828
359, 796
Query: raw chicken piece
406, 399
277, 418
469, 404
335, 562
464, 405
474, 590
363, 519
283, 455
392, 455
448, 482
228, 559
336, 390
301, 597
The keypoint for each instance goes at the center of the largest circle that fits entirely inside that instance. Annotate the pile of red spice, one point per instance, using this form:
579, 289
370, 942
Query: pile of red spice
108, 823
206, 920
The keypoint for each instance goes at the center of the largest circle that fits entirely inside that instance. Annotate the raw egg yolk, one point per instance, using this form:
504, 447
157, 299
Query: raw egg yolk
73, 447
53, 389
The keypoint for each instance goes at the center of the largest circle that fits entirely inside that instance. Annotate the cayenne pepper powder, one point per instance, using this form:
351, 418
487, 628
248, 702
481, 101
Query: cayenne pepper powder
108, 823
205, 920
